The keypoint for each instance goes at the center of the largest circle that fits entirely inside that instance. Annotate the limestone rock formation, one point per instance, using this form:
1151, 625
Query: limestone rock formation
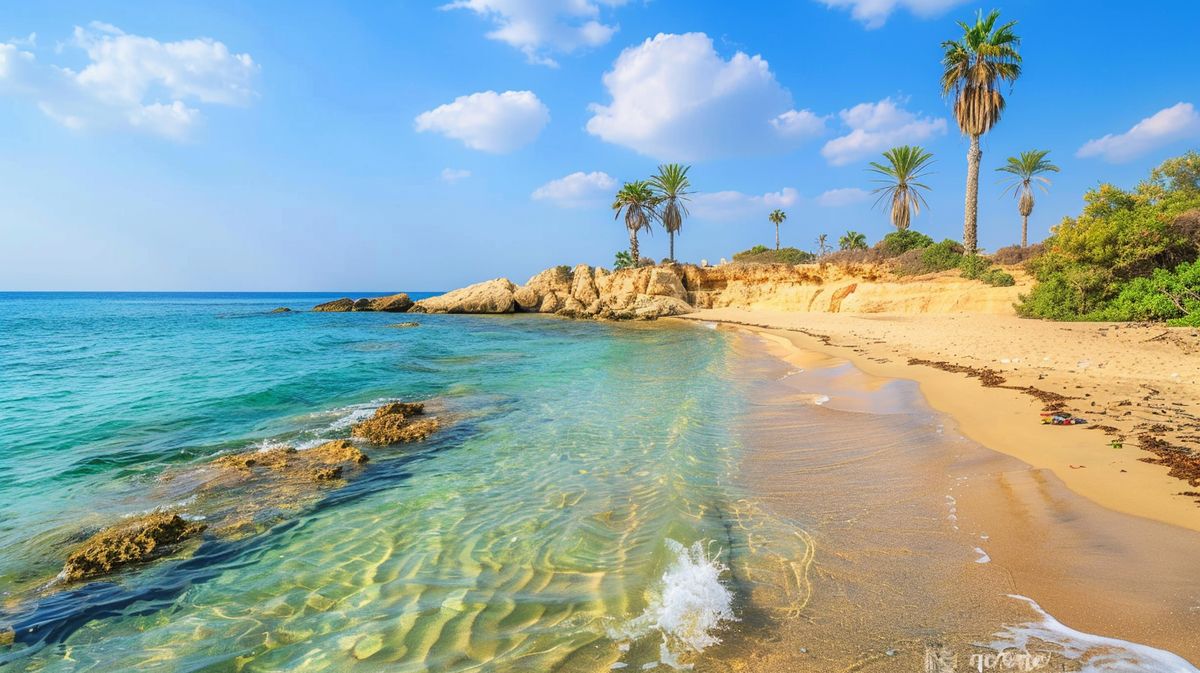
394, 423
335, 306
134, 540
492, 296
396, 303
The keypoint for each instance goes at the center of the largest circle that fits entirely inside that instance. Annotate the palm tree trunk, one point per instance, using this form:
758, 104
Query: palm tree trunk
1024, 231
633, 248
971, 216
671, 235
776, 235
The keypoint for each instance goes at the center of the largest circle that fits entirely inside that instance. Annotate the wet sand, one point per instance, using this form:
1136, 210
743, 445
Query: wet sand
922, 534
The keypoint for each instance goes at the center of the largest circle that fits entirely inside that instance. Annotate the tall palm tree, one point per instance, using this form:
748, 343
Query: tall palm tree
670, 188
853, 240
777, 216
906, 166
975, 68
1026, 170
639, 204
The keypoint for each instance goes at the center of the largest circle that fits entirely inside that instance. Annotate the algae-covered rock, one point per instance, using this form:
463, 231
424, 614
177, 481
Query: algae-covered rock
335, 306
393, 424
135, 540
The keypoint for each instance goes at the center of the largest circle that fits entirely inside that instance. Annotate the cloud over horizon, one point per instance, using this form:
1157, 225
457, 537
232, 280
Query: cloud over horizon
536, 27
1178, 122
734, 205
875, 127
130, 81
674, 98
843, 196
488, 121
577, 190
874, 13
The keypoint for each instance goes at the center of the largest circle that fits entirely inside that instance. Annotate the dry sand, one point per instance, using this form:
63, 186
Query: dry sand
1138, 385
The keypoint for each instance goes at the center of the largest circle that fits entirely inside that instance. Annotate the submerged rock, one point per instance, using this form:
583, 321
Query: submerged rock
393, 424
136, 540
282, 309
286, 458
492, 296
403, 325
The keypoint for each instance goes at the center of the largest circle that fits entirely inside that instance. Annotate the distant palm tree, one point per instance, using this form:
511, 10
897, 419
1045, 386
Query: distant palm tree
670, 188
823, 245
975, 66
1026, 170
906, 165
853, 240
639, 204
777, 216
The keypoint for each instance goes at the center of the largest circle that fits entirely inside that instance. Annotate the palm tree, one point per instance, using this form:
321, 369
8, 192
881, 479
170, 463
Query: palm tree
638, 202
1026, 170
670, 188
823, 245
777, 216
975, 66
906, 165
853, 240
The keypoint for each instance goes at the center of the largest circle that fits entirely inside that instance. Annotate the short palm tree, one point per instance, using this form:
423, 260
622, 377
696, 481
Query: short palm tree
905, 167
975, 68
852, 240
1026, 170
777, 216
637, 201
670, 188
823, 245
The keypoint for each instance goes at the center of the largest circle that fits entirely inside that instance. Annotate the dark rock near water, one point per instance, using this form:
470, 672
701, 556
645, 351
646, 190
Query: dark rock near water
282, 309
336, 306
404, 325
395, 303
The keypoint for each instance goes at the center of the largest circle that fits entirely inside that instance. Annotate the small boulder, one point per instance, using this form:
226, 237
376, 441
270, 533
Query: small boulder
396, 303
135, 540
492, 296
283, 309
648, 307
336, 306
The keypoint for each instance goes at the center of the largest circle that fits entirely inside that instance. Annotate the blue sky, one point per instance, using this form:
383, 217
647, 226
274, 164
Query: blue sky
421, 146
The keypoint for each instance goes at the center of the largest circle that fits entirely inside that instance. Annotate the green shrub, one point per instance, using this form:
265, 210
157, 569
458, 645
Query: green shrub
942, 256
900, 242
998, 278
761, 254
1171, 295
623, 260
974, 266
1015, 254
1120, 237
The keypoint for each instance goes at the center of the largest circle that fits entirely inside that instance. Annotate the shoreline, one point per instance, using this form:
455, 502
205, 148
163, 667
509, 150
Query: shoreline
1006, 528
1007, 419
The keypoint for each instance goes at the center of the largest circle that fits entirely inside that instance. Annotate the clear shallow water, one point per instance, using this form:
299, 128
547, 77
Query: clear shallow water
535, 531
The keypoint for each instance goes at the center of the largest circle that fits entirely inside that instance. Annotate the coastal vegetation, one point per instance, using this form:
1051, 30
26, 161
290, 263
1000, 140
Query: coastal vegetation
1130, 255
901, 189
761, 254
1026, 170
853, 240
640, 206
670, 186
975, 67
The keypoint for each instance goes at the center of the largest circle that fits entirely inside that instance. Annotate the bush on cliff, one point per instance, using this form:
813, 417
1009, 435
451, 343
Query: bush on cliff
623, 260
1015, 254
761, 254
899, 242
932, 259
1132, 244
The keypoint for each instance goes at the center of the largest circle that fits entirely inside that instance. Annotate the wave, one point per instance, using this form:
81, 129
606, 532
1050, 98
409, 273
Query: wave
687, 607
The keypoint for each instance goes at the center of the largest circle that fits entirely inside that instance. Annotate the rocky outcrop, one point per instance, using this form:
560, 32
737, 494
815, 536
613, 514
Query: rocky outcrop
395, 423
403, 325
134, 540
281, 309
492, 296
395, 303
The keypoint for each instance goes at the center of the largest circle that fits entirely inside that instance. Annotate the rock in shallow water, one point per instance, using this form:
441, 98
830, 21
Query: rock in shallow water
492, 296
396, 303
135, 540
393, 424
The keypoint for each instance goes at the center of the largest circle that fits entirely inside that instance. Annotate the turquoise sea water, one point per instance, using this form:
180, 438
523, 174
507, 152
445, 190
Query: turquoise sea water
576, 510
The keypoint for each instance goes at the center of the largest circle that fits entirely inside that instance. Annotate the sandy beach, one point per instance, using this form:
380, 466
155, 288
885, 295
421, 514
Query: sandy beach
994, 374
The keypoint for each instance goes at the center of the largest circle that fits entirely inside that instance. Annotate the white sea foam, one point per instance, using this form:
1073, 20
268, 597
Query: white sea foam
687, 607
1094, 653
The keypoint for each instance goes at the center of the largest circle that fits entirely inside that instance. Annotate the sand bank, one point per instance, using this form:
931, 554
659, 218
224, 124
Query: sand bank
1135, 384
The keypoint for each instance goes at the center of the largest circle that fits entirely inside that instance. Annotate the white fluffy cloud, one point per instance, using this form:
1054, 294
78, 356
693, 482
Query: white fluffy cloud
730, 205
577, 190
874, 13
1178, 122
489, 121
875, 127
676, 99
130, 80
537, 27
844, 196
453, 175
